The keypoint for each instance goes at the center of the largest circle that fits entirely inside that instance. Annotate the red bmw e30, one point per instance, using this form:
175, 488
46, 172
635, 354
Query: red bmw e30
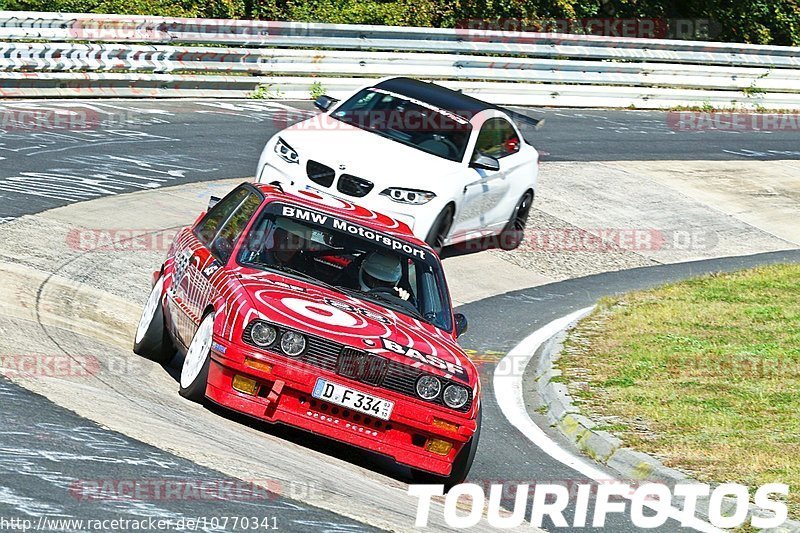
299, 308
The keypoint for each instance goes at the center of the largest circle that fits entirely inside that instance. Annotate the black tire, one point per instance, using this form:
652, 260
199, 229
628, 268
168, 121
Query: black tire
152, 340
461, 465
514, 231
440, 229
195, 389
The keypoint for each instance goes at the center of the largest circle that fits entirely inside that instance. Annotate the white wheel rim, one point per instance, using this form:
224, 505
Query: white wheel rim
198, 352
150, 309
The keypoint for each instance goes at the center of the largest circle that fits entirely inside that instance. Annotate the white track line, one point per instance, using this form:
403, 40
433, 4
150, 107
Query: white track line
508, 391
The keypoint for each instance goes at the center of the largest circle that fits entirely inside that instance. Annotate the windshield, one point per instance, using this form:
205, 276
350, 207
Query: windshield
350, 258
408, 121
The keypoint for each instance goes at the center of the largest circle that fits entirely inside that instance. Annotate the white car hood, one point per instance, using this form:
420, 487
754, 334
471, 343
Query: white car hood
384, 162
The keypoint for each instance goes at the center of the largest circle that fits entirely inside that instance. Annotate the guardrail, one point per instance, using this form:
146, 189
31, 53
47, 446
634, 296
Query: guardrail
52, 54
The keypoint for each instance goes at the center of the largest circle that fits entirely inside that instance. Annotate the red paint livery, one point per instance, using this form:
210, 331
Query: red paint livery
390, 348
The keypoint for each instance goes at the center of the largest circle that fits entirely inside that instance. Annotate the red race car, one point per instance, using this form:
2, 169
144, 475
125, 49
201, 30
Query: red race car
307, 310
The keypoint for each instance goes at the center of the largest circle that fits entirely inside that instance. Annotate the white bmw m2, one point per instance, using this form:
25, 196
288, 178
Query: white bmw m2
452, 167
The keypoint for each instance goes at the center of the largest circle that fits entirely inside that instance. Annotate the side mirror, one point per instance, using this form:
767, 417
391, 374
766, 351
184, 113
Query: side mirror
214, 200
461, 324
485, 162
325, 102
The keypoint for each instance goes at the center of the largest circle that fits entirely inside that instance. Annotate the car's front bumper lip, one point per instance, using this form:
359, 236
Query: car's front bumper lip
285, 396
419, 218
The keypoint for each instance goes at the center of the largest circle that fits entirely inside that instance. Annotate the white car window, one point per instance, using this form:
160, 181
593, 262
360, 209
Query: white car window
497, 139
408, 121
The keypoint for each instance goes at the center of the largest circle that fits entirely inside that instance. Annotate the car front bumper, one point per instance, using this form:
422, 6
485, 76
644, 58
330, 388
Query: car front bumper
419, 218
284, 396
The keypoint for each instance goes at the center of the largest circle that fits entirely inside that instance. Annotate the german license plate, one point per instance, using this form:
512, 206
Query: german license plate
352, 399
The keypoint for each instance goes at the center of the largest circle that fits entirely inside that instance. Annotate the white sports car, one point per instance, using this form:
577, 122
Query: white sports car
452, 167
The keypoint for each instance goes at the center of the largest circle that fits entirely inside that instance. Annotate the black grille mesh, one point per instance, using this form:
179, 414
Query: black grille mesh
354, 186
319, 173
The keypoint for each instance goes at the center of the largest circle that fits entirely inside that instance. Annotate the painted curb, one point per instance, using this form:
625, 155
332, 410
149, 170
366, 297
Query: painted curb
604, 447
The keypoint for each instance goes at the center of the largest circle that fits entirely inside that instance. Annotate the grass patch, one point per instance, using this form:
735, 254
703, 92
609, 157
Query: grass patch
704, 374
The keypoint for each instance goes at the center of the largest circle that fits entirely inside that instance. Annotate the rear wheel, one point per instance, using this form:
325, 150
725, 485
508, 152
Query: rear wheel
514, 231
461, 465
440, 229
152, 339
194, 372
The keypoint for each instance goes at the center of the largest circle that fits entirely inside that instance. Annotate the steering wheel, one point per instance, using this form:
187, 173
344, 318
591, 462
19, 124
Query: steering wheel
443, 140
406, 304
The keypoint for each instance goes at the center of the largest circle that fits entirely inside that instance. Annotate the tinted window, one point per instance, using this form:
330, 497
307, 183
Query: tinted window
319, 252
497, 139
223, 244
408, 121
207, 229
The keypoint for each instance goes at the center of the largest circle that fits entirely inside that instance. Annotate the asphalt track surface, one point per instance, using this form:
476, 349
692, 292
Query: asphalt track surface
57, 464
147, 144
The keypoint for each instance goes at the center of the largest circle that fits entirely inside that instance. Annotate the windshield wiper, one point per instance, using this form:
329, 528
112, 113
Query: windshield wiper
289, 270
286, 269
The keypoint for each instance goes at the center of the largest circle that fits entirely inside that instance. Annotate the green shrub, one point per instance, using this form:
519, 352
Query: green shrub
316, 90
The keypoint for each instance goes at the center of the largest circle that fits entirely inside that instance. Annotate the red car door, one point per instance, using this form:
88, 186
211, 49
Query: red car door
202, 255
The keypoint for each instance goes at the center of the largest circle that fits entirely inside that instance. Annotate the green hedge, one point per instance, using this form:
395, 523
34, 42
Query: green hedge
750, 21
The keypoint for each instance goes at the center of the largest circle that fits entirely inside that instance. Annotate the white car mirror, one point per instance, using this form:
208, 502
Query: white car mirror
485, 162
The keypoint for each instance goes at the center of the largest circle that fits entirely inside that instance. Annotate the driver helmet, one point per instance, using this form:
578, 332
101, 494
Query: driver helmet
379, 270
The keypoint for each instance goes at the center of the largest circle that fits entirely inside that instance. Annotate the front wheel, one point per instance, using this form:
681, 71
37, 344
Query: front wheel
440, 229
194, 372
514, 231
152, 339
461, 465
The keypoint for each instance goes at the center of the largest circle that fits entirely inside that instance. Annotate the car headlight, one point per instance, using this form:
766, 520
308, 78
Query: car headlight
455, 396
408, 196
293, 343
286, 152
428, 387
262, 334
